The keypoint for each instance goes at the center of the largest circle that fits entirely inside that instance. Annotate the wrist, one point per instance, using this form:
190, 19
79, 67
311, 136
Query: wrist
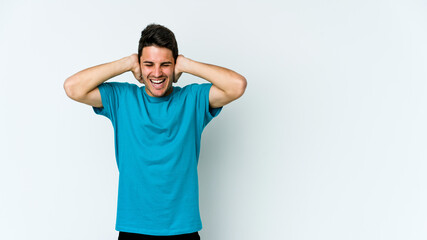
185, 64
127, 63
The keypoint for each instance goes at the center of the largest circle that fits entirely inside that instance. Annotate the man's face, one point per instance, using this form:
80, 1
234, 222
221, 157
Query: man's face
157, 67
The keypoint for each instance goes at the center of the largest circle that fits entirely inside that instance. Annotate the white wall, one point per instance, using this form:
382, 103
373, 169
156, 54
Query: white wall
328, 142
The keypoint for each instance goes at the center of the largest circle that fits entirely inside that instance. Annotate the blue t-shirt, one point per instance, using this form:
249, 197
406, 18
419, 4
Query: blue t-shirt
157, 146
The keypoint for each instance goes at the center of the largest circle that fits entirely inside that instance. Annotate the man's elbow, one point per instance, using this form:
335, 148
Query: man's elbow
240, 87
70, 89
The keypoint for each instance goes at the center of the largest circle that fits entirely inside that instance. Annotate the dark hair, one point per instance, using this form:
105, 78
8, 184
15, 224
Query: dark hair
160, 36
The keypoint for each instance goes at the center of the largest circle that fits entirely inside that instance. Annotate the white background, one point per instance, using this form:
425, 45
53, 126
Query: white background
328, 142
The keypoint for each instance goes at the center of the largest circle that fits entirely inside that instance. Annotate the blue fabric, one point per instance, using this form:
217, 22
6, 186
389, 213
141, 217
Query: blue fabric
157, 146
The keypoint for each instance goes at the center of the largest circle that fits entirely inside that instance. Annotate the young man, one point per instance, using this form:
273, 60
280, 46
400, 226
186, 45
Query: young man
157, 131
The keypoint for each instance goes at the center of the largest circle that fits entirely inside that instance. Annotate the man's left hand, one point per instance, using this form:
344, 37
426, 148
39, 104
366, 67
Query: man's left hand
178, 67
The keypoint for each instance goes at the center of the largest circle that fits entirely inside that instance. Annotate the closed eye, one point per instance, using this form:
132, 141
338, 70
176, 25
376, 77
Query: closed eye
149, 64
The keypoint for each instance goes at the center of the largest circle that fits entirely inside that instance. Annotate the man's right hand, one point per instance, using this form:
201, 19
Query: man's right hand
135, 67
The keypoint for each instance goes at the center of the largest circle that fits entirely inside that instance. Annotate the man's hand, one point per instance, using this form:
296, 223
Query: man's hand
83, 86
227, 85
180, 61
135, 67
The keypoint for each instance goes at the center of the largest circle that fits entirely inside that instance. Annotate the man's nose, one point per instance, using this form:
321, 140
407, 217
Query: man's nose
157, 72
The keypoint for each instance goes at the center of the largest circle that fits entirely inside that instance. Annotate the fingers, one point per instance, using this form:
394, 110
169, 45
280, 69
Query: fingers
135, 67
176, 77
137, 75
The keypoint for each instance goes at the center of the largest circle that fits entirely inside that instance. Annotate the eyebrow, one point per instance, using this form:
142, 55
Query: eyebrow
168, 62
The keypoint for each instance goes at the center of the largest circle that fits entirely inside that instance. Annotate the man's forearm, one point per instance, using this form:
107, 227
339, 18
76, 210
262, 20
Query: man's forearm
225, 79
88, 79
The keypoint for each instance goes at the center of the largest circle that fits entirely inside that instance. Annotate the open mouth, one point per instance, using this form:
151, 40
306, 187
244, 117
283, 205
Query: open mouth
157, 81
158, 84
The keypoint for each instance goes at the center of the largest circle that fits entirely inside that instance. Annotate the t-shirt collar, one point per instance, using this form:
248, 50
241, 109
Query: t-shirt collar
157, 99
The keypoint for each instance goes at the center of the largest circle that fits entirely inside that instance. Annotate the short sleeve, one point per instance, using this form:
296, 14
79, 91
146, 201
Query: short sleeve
204, 112
111, 93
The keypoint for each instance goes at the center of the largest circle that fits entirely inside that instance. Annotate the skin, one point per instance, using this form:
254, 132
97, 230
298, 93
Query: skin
156, 63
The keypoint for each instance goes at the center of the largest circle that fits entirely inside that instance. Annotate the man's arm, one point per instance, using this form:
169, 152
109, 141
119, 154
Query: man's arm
83, 86
227, 85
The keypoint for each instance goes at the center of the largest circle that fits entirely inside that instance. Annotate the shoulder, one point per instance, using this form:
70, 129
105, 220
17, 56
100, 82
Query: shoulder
189, 87
197, 89
117, 87
119, 84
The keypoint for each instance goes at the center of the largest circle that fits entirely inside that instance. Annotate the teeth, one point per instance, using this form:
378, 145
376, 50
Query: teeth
158, 81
